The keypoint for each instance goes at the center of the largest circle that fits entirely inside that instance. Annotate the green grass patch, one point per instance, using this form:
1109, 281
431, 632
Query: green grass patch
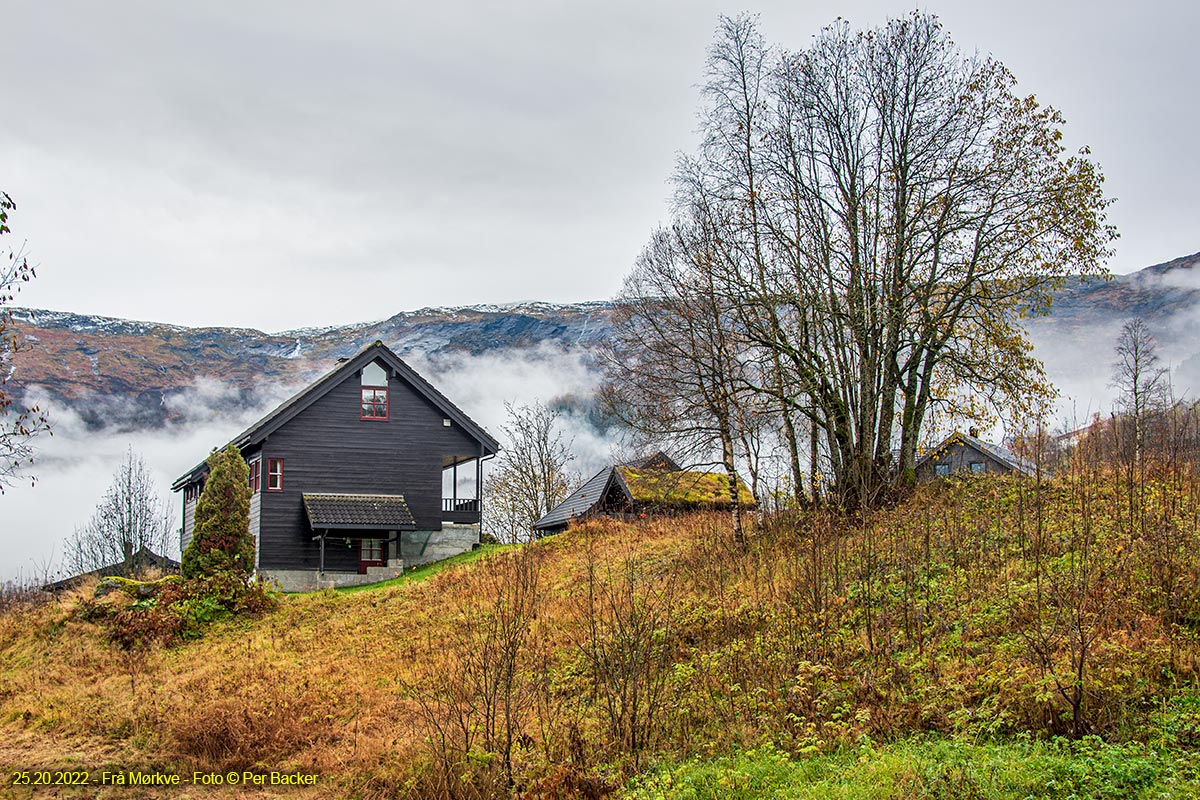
935, 768
420, 573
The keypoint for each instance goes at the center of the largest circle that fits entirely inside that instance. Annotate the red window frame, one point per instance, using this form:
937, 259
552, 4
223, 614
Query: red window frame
255, 479
372, 399
273, 473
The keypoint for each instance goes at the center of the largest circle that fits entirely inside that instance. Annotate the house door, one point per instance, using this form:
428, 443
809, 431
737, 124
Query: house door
370, 554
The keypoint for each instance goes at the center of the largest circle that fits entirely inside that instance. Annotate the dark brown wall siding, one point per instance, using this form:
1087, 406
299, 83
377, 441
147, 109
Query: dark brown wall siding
328, 448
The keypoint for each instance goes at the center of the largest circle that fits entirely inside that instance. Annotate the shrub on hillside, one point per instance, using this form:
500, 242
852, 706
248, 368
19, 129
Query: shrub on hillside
221, 540
180, 611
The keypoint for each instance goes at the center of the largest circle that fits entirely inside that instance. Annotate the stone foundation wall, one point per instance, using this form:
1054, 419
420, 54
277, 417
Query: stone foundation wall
302, 580
422, 547
416, 547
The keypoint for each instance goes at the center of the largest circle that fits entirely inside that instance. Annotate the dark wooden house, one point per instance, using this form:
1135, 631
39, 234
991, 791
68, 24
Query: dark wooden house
962, 453
357, 477
650, 485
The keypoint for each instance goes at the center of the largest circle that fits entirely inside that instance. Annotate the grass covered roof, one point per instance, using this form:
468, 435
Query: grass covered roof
681, 488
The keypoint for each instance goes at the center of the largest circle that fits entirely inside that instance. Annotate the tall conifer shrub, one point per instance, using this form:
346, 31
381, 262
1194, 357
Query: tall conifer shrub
221, 540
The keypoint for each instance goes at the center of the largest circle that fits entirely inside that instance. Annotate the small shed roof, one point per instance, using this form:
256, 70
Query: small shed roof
376, 512
680, 488
578, 503
658, 484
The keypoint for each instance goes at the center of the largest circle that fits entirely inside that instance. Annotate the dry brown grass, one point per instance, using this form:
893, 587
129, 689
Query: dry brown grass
316, 685
662, 637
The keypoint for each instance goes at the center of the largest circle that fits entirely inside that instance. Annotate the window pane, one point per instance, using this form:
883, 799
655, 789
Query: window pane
374, 403
374, 375
275, 473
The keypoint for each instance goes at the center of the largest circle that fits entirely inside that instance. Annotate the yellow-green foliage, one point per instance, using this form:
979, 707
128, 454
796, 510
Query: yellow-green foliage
684, 489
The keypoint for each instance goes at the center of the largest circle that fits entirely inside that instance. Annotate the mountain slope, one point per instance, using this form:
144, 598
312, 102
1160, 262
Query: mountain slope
953, 614
114, 371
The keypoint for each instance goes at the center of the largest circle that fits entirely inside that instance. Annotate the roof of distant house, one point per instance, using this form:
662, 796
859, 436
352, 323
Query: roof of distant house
1001, 454
143, 558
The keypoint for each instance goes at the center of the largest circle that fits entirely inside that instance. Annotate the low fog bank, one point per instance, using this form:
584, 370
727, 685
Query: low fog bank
1079, 360
75, 466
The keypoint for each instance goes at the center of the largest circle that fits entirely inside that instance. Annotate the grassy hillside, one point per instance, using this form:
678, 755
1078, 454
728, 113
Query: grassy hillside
920, 649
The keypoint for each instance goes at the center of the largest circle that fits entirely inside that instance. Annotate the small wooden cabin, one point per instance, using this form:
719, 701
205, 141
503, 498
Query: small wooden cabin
357, 476
962, 453
141, 562
651, 485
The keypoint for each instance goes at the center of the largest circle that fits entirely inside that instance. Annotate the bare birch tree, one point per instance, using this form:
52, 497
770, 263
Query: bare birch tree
132, 515
672, 369
531, 474
881, 211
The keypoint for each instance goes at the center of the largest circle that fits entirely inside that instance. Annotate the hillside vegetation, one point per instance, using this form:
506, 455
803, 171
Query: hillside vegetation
937, 648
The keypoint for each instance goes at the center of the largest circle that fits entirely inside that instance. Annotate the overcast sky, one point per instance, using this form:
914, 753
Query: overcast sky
276, 165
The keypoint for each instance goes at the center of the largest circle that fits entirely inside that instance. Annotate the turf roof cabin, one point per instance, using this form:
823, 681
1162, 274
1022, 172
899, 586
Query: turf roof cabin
357, 477
962, 453
653, 485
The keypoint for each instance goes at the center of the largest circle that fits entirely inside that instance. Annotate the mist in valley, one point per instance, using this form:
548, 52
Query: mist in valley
75, 465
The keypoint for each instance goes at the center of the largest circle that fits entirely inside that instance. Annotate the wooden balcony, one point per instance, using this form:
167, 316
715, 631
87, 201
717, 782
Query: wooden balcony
460, 509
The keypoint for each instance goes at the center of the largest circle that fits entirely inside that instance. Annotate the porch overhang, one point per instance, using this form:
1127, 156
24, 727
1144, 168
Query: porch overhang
363, 512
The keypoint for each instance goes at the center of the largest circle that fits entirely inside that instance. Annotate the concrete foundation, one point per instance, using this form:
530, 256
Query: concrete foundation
300, 580
422, 547
416, 547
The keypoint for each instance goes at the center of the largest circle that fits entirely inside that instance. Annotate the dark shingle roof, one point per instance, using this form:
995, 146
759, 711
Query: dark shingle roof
578, 503
383, 512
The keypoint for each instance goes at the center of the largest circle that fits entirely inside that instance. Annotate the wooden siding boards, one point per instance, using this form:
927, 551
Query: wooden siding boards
958, 451
327, 447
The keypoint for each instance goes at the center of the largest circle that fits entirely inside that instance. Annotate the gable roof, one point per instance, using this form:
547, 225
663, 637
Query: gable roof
651, 486
291, 407
658, 461
578, 502
995, 451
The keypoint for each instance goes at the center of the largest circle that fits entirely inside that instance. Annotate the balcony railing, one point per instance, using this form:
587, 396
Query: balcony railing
460, 505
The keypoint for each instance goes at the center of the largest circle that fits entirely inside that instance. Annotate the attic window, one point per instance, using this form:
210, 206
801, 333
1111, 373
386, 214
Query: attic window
978, 467
255, 479
374, 398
